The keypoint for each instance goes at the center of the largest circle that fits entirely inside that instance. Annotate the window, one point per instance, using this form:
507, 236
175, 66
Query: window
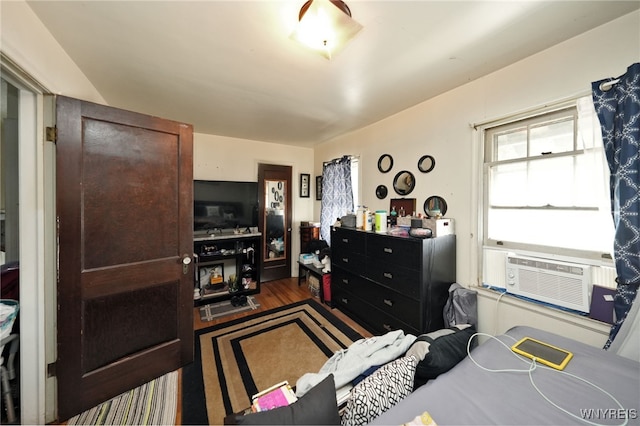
338, 193
544, 181
355, 180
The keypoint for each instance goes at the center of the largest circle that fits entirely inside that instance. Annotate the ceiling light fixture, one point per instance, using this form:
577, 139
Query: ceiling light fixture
325, 26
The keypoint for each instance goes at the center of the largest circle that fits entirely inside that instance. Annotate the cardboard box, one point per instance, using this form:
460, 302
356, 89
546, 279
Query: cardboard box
314, 285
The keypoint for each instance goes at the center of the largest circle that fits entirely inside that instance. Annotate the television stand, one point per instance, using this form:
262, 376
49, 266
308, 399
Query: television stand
221, 255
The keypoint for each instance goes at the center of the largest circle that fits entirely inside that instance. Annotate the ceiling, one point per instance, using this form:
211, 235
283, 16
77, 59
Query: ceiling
230, 69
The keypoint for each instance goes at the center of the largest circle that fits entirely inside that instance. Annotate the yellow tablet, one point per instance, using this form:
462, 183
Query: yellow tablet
543, 353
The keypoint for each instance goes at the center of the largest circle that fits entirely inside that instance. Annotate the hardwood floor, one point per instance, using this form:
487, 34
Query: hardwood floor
272, 294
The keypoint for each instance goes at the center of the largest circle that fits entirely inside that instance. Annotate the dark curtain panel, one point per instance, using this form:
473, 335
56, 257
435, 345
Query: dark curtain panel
618, 108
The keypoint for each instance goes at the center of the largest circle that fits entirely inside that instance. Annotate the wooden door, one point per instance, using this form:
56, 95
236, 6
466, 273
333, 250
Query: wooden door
275, 195
125, 216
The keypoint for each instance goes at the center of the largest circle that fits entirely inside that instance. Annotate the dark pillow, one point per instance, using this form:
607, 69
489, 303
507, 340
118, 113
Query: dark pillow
316, 407
439, 351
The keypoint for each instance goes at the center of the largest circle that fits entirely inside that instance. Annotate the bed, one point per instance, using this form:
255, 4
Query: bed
469, 395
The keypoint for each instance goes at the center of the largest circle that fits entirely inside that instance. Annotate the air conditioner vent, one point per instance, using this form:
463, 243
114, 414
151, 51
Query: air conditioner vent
560, 283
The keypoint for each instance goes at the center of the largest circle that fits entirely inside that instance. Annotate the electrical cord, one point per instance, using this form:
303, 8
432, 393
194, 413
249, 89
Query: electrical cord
533, 365
495, 331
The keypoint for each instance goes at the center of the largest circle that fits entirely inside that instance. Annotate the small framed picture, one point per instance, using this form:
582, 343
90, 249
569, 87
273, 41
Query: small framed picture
211, 275
304, 185
318, 187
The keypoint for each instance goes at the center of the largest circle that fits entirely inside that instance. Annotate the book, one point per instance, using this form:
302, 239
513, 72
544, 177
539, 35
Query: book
279, 395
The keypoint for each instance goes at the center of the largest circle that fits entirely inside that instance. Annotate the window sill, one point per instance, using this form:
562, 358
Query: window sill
566, 317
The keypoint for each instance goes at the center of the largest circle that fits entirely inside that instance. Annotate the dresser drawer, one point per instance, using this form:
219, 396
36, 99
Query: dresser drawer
378, 321
402, 280
393, 304
405, 252
353, 262
348, 281
347, 240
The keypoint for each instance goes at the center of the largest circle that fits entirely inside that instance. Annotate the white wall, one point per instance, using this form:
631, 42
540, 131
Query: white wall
442, 127
27, 42
224, 158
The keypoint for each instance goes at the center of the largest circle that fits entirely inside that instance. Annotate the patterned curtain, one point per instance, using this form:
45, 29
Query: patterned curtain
618, 108
337, 194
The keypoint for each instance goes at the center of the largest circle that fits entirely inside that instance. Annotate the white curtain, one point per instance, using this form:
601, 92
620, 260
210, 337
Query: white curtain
590, 137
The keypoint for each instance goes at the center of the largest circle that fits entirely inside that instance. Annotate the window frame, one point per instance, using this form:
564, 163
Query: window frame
548, 114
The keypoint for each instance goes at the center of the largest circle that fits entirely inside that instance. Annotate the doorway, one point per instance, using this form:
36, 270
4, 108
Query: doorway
9, 214
10, 232
275, 195
26, 202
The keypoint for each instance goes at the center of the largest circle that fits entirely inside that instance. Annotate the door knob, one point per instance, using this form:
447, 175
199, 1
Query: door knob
186, 260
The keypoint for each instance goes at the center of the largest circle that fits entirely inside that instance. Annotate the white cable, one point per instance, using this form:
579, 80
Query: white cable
503, 344
495, 331
626, 420
532, 367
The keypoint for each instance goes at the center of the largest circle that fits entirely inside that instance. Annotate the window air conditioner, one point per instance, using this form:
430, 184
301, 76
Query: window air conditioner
559, 283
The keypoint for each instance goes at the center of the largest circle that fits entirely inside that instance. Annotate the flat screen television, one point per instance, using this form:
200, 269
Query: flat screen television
224, 205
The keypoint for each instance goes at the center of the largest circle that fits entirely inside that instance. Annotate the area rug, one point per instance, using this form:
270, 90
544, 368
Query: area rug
153, 403
236, 359
219, 309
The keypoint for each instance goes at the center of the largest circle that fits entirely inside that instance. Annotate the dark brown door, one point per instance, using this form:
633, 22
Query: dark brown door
125, 287
275, 192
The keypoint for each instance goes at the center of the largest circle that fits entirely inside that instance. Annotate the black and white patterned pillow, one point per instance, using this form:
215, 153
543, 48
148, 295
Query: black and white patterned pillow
380, 391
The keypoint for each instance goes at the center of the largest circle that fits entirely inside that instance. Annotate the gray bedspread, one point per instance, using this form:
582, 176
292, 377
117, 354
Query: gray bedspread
469, 395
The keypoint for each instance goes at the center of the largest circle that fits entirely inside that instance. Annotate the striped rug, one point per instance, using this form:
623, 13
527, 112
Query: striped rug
238, 358
153, 403
220, 309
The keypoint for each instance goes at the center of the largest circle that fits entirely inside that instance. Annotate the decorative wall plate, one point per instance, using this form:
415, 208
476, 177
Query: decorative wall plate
381, 192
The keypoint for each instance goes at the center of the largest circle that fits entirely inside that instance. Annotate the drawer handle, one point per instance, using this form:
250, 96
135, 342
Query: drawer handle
388, 275
386, 327
344, 300
345, 280
345, 240
345, 259
388, 250
388, 302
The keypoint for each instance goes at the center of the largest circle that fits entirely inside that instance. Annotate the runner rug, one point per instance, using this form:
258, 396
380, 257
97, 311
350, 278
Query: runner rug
219, 309
153, 403
237, 359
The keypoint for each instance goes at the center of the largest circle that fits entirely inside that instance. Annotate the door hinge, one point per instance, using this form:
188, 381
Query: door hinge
51, 134
51, 370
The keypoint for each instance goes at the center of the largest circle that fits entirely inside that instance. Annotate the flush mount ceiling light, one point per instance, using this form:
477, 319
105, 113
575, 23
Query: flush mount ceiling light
325, 26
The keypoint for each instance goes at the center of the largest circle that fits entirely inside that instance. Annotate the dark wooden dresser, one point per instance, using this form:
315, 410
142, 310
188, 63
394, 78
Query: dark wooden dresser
388, 282
307, 234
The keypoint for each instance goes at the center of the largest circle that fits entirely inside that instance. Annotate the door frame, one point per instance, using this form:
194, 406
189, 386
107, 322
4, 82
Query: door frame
37, 225
263, 168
